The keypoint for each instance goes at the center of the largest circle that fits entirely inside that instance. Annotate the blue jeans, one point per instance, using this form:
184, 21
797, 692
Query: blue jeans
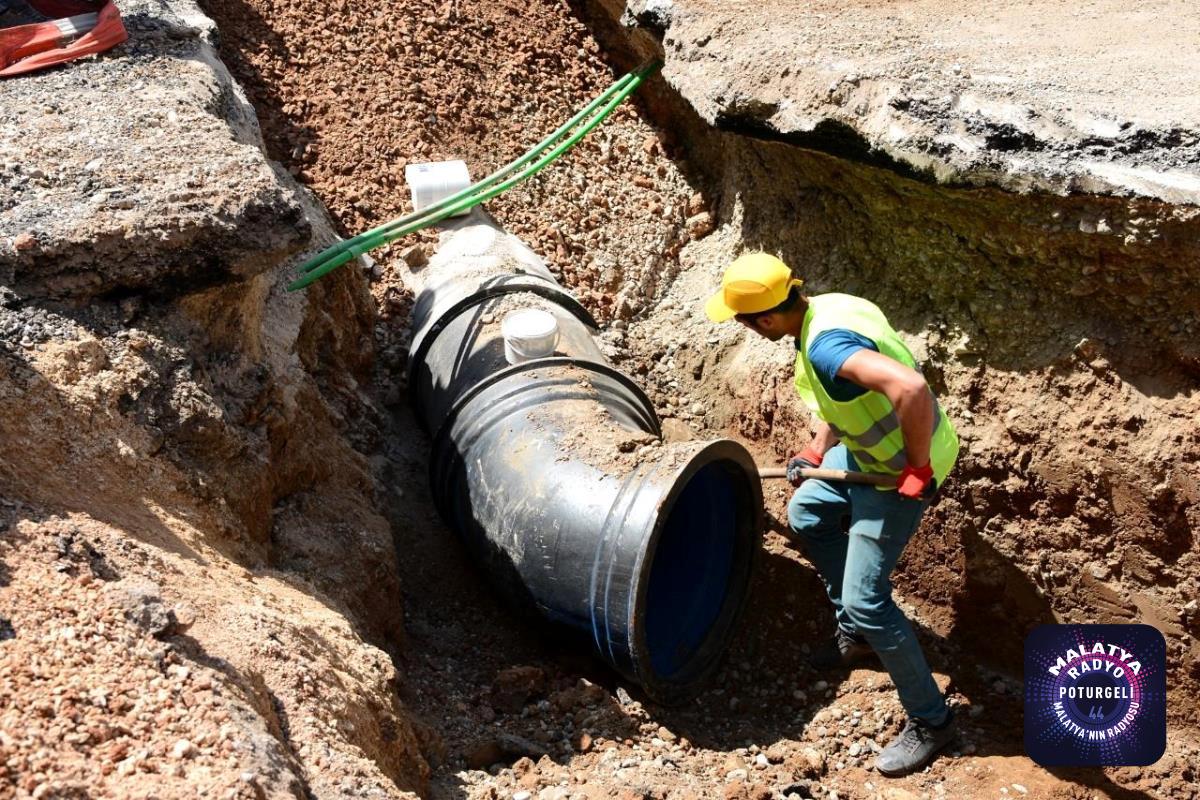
856, 570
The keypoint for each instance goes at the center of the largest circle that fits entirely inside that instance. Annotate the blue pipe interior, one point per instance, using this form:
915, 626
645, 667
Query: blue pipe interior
689, 578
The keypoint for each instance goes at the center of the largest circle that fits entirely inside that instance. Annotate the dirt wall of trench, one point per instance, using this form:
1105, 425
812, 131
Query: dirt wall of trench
197, 592
1058, 331
1075, 495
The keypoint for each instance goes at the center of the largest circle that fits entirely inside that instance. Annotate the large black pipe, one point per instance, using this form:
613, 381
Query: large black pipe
554, 473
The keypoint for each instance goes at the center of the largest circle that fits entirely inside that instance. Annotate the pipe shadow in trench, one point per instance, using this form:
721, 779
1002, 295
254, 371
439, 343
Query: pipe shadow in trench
788, 616
461, 638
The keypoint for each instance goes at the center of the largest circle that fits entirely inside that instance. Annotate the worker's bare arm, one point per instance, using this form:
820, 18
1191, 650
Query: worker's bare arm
823, 438
908, 392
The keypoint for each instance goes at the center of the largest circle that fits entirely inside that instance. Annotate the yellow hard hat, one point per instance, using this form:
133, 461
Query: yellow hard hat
753, 282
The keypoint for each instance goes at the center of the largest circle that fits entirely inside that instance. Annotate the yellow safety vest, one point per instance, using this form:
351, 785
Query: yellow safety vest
868, 424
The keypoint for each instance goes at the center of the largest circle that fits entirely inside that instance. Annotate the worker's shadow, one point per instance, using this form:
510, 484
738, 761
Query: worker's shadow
767, 689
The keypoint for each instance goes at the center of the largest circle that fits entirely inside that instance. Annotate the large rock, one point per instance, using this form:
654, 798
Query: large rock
139, 169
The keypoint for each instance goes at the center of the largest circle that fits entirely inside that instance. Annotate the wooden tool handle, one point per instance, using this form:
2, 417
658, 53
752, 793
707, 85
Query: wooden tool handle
846, 476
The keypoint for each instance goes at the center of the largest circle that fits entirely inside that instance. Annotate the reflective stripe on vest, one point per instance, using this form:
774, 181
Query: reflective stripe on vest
867, 424
860, 444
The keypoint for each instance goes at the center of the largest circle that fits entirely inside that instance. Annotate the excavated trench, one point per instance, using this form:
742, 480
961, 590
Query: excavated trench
1059, 331
221, 568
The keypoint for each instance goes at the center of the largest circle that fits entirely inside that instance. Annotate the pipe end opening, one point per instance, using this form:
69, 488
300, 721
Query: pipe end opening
698, 576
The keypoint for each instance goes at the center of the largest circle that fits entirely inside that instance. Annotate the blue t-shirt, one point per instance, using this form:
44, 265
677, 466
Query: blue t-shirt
829, 351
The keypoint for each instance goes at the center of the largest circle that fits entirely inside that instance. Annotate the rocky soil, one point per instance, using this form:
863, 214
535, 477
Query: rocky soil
347, 104
204, 479
191, 563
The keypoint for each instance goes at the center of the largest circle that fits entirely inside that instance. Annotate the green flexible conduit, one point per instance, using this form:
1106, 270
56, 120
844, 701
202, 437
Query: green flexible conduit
500, 181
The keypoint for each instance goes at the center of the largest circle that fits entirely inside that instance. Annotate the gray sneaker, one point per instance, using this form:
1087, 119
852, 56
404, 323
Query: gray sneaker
843, 650
915, 747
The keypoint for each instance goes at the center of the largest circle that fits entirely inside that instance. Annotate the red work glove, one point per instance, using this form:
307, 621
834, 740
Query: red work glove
914, 481
806, 458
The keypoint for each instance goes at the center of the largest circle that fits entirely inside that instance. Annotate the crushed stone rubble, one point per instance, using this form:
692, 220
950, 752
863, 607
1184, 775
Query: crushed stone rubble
609, 217
93, 696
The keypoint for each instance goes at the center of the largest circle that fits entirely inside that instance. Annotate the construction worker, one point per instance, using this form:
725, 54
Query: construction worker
878, 415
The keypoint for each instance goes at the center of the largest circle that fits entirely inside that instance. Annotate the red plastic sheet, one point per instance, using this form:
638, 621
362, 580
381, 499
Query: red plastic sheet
26, 48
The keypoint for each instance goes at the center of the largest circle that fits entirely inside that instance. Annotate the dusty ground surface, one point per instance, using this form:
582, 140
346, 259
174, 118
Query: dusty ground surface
1041, 95
345, 119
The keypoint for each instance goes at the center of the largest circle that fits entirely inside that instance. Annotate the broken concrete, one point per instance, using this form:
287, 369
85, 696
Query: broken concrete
174, 420
1043, 96
139, 170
